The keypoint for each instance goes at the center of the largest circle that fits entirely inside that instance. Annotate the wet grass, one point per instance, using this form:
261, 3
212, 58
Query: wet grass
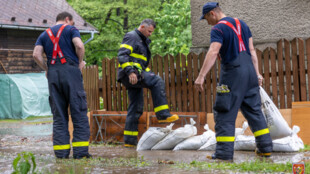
306, 149
30, 118
86, 165
48, 164
258, 166
107, 162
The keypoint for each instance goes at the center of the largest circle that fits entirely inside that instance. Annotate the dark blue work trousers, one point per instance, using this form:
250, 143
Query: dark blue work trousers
65, 84
135, 92
241, 79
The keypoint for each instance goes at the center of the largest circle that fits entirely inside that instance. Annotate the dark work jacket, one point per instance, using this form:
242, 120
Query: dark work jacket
134, 53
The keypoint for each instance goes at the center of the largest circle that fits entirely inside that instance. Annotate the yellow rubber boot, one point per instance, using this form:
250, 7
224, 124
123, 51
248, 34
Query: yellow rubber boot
170, 119
129, 146
258, 153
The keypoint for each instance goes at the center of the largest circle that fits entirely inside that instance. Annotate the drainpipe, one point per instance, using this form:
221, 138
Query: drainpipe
91, 37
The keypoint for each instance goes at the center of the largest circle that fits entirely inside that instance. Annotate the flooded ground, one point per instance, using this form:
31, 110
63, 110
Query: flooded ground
35, 135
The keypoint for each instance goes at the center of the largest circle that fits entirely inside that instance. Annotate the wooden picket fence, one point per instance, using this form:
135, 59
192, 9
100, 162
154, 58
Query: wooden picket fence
285, 70
91, 86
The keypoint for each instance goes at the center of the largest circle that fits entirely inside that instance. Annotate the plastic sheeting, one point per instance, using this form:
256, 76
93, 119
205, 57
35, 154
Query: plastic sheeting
23, 95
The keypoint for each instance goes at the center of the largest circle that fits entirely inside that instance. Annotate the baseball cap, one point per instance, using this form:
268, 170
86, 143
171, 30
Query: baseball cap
208, 7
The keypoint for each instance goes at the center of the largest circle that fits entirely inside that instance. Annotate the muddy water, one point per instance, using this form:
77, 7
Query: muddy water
36, 136
33, 127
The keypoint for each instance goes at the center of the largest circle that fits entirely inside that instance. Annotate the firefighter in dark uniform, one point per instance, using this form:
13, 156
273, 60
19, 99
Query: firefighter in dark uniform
64, 50
133, 57
238, 87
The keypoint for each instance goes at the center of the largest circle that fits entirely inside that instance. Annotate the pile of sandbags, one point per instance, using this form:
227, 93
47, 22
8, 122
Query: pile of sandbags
152, 136
183, 138
195, 142
244, 142
291, 143
210, 144
176, 136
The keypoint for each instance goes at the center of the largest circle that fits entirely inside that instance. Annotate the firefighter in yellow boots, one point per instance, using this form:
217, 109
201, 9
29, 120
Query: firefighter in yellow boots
64, 50
239, 83
133, 57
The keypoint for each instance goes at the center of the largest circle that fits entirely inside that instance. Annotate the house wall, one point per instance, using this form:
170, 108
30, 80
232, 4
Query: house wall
269, 20
16, 48
18, 39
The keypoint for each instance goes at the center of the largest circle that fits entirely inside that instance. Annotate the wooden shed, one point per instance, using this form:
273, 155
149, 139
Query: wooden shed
21, 22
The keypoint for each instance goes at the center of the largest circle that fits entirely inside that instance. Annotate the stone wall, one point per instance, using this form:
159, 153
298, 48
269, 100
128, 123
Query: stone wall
269, 20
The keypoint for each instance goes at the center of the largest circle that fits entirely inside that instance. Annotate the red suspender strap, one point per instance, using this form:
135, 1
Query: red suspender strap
237, 31
56, 48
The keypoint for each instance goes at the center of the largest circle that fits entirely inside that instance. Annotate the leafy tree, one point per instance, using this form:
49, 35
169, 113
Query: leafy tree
173, 34
114, 18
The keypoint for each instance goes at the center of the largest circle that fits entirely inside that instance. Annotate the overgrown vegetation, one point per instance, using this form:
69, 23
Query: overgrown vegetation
114, 18
258, 166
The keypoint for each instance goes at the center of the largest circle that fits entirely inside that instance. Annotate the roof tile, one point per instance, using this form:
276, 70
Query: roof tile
38, 10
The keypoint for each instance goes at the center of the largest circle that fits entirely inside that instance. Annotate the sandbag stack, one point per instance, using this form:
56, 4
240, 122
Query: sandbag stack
284, 138
152, 136
195, 142
176, 136
244, 142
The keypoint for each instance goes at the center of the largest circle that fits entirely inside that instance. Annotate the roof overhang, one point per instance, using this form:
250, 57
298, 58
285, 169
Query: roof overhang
21, 27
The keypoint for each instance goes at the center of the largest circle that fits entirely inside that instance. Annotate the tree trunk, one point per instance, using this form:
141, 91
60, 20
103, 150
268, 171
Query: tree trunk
125, 26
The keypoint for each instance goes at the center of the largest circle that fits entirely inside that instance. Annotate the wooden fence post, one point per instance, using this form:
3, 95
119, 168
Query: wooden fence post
179, 73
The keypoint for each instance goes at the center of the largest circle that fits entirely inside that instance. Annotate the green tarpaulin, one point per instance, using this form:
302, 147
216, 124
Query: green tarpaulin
23, 95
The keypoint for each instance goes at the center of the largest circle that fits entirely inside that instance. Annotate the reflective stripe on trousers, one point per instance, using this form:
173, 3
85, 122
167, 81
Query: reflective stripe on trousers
135, 109
241, 79
66, 88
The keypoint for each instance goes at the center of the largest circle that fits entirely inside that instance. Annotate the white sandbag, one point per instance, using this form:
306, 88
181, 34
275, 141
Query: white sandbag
195, 142
290, 143
243, 142
278, 127
210, 144
176, 136
152, 136
240, 131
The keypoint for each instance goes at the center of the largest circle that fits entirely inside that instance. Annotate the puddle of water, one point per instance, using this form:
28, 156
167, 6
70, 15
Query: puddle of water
46, 160
37, 138
26, 130
33, 127
239, 157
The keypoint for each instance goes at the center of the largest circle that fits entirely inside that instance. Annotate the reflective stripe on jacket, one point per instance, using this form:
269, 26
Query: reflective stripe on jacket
133, 53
